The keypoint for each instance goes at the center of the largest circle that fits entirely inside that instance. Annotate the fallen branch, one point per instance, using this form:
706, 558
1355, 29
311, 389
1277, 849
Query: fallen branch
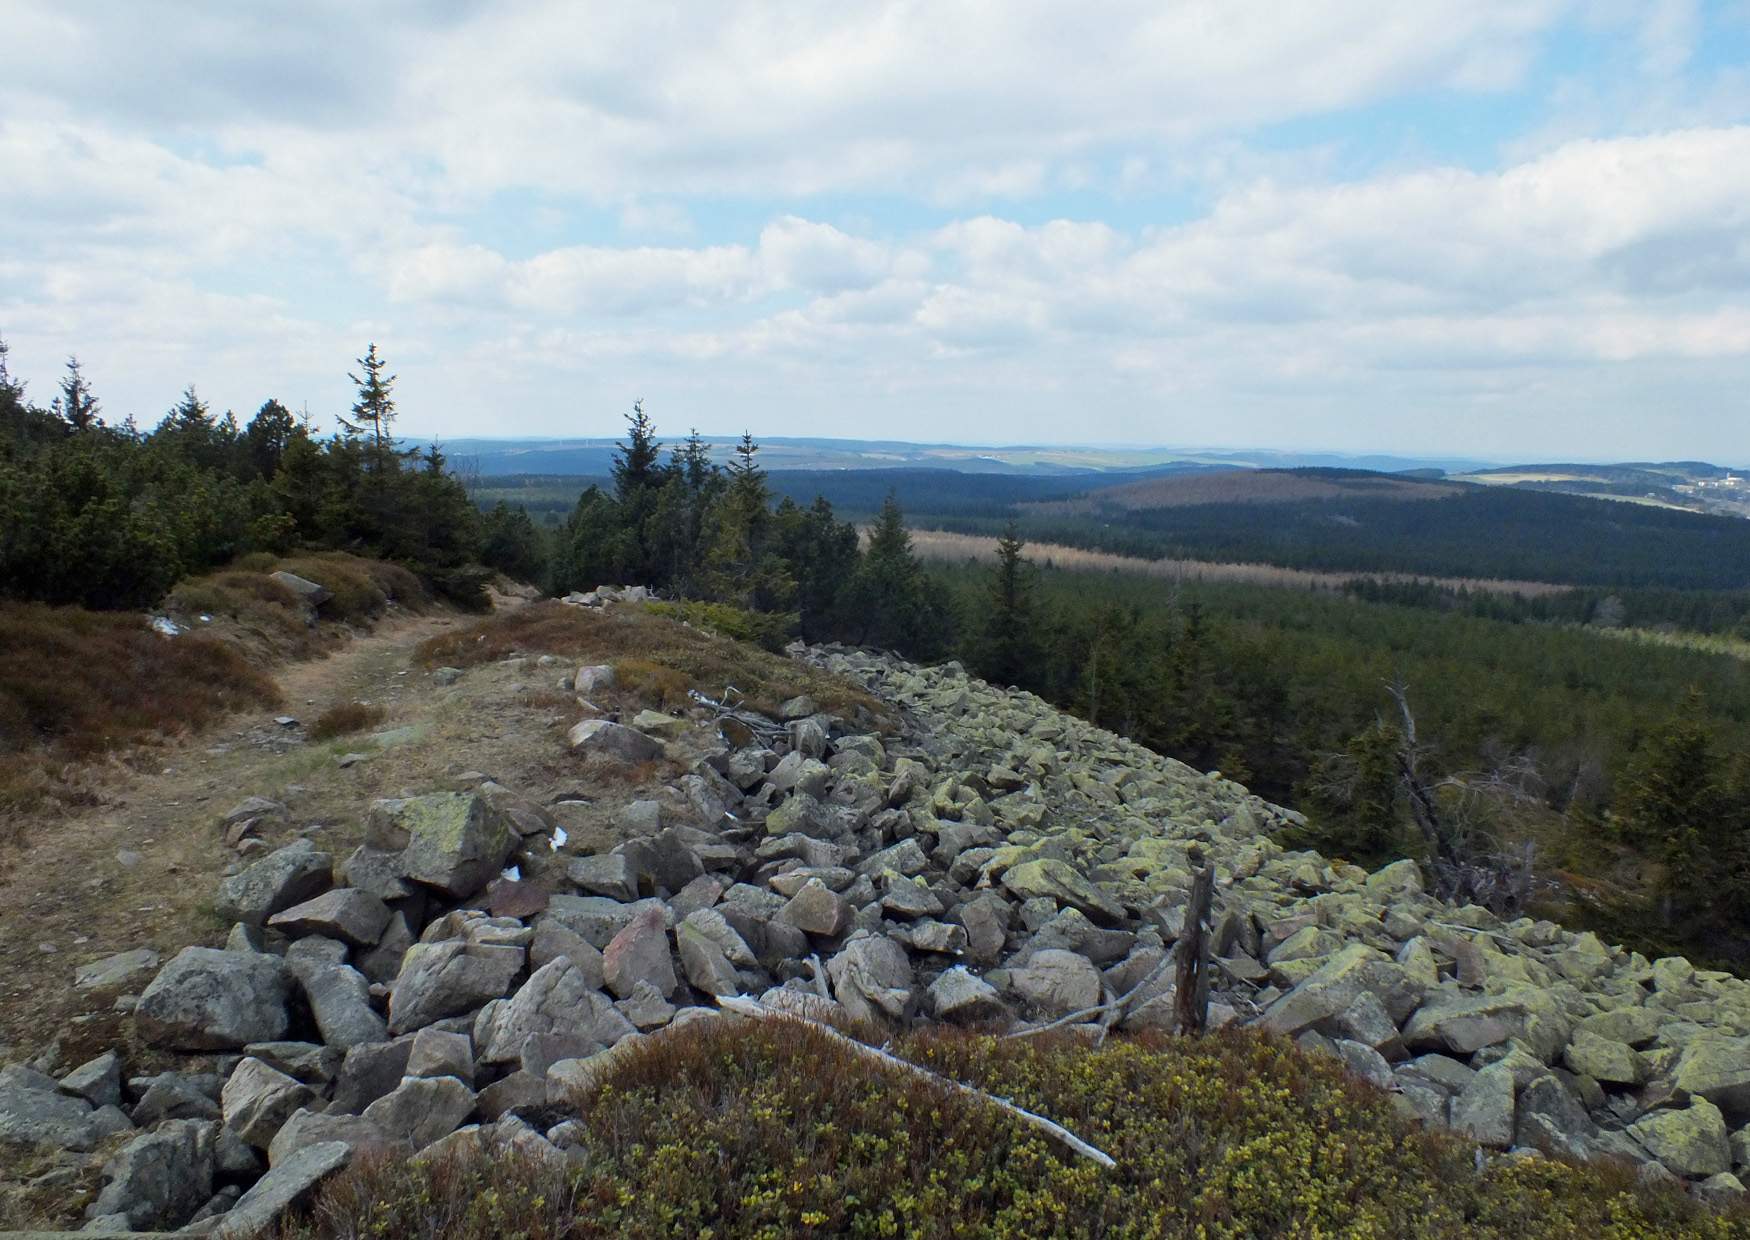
743, 1006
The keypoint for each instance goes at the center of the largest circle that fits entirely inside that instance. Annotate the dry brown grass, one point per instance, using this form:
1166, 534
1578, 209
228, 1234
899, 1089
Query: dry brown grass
345, 719
658, 659
78, 686
1242, 486
942, 545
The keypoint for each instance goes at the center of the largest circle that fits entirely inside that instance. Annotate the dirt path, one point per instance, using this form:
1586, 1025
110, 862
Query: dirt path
140, 870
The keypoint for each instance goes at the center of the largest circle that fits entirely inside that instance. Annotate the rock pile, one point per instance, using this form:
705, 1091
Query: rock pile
995, 861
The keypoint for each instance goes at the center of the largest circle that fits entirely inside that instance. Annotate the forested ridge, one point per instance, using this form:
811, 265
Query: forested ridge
1532, 728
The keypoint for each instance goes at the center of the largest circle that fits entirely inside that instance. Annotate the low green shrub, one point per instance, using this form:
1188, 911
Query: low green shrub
730, 1130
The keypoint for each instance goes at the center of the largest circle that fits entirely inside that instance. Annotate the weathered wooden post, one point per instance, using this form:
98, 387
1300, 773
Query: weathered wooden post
1191, 1000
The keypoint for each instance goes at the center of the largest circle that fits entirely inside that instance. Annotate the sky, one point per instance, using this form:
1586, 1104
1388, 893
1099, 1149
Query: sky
1507, 229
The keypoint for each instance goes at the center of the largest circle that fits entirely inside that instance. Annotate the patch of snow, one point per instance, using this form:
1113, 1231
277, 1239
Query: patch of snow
166, 626
513, 873
558, 838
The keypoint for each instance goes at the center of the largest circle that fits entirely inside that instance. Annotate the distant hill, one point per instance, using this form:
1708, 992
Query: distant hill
1694, 486
1260, 486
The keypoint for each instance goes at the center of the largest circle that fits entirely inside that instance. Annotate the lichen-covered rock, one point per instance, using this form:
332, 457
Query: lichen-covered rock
1690, 1142
817, 909
340, 1001
958, 995
1605, 1061
1484, 1110
215, 1000
1335, 985
422, 1109
1717, 1068
44, 1117
557, 998
456, 842
1059, 881
872, 978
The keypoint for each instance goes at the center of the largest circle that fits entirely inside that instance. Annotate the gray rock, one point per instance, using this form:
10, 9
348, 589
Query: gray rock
986, 919
645, 1008
310, 1062
1551, 1119
872, 978
340, 1000
307, 1128
593, 678
437, 1053
520, 1091
44, 1117
117, 972
1336, 984
422, 1109
1059, 881
1057, 981
704, 962
345, 913
213, 1000
176, 1095
1485, 1109
596, 919
598, 738
557, 998
98, 1081
258, 1099
383, 962
607, 874
958, 995
369, 1072
308, 592
554, 940
381, 872
639, 952
817, 909
283, 1187
158, 1180
447, 979
456, 842
1364, 1062
279, 880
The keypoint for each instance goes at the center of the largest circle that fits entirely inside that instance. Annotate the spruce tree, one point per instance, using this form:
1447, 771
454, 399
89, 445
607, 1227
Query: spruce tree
1010, 643
373, 413
76, 406
636, 466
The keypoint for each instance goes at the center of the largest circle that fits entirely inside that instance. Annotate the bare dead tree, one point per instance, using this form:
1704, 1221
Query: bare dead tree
1191, 1000
1465, 860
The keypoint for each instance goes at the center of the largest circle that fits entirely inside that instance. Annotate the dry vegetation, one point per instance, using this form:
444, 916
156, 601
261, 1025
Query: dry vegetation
942, 545
772, 1131
1240, 486
658, 657
345, 719
78, 687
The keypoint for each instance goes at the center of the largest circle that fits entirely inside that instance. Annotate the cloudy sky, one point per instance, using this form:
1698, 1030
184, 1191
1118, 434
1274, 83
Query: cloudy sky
1502, 228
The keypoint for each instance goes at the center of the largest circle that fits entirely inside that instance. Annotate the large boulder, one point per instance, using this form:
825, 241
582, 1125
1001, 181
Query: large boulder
1060, 881
33, 1116
557, 998
1717, 1068
340, 1000
117, 972
639, 953
158, 1180
456, 842
1692, 1142
206, 999
258, 1099
307, 1128
283, 1187
448, 979
872, 978
1336, 984
422, 1109
614, 742
345, 913
1057, 981
1484, 1110
279, 880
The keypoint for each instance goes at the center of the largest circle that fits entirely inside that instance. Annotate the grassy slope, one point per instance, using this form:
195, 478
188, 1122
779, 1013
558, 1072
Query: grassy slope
80, 687
727, 1130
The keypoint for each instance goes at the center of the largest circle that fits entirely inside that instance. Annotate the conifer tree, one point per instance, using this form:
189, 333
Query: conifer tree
636, 467
76, 406
373, 413
1010, 642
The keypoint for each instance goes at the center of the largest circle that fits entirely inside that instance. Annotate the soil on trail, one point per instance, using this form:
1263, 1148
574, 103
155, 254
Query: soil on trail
141, 869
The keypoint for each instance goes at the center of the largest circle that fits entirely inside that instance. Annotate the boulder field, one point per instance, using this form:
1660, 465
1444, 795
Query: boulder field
995, 861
